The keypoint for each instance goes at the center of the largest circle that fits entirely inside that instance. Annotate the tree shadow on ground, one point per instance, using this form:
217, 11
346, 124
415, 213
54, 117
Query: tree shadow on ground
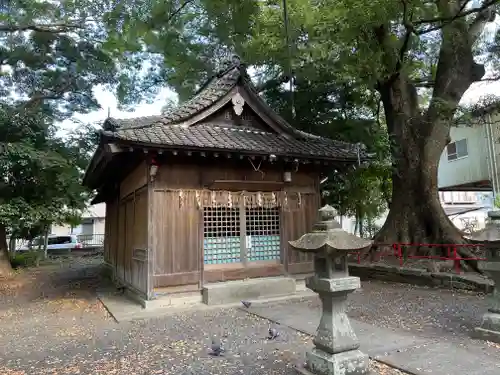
62, 288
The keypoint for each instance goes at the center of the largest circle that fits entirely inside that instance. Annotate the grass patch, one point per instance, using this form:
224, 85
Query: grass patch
27, 259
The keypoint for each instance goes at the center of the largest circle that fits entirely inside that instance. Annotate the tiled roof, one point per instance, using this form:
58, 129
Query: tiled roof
214, 90
219, 138
165, 131
136, 122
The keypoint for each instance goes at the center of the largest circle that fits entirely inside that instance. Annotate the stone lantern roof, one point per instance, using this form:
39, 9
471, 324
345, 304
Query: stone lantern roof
328, 236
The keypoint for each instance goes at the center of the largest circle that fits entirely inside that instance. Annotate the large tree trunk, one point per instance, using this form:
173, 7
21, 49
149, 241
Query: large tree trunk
5, 266
416, 215
419, 136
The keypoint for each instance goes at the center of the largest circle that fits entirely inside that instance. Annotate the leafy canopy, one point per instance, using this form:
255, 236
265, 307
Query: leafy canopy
52, 58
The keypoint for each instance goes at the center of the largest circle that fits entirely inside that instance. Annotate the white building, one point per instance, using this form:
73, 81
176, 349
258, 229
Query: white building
468, 174
467, 209
93, 220
470, 161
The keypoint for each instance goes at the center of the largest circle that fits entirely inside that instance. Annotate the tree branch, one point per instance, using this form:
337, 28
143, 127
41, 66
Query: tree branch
55, 95
423, 83
490, 79
482, 18
406, 38
48, 28
460, 14
456, 68
178, 10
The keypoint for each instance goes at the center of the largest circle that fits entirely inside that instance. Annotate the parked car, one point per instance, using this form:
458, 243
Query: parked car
55, 244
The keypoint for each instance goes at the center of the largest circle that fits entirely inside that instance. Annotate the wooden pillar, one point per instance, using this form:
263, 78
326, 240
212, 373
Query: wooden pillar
151, 233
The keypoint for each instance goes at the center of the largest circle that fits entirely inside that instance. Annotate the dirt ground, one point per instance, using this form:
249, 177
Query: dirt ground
51, 322
62, 295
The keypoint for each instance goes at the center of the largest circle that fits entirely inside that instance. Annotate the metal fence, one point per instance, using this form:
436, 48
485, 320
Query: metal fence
398, 250
91, 240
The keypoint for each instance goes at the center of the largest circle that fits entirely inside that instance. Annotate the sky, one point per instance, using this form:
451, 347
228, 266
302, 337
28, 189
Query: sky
107, 100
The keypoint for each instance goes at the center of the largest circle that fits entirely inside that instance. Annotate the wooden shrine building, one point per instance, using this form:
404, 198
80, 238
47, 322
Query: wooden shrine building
212, 191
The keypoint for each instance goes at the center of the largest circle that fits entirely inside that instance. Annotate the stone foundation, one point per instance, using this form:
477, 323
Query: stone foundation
353, 362
490, 328
235, 291
421, 277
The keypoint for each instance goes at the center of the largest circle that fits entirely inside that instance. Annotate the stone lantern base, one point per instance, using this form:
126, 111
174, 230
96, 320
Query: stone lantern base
490, 238
490, 327
353, 362
336, 345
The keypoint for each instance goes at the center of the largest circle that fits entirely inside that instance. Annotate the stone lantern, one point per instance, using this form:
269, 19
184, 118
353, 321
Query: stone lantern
490, 237
336, 347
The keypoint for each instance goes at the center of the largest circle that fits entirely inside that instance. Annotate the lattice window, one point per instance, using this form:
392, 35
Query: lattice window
246, 117
221, 235
263, 233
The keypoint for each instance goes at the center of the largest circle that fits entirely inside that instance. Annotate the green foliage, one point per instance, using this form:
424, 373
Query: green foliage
25, 259
52, 59
41, 175
336, 110
52, 56
496, 202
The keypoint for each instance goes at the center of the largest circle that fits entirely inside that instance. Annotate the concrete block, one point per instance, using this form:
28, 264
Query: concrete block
486, 334
352, 362
234, 291
174, 300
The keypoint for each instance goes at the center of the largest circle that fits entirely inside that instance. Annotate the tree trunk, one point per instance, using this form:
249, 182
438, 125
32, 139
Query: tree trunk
45, 241
12, 244
360, 222
419, 136
416, 215
5, 266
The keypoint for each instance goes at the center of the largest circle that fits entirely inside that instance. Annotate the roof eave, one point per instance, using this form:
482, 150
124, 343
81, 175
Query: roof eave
94, 162
148, 145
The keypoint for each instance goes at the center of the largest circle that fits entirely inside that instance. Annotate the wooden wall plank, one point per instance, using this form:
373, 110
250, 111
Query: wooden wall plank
134, 181
107, 236
110, 233
177, 240
177, 279
296, 223
187, 176
129, 240
141, 219
161, 235
120, 257
115, 233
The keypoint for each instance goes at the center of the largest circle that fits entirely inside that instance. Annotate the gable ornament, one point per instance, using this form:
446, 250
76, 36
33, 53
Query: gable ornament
238, 103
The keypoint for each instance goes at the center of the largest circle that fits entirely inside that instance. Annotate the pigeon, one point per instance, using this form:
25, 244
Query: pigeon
247, 304
273, 333
216, 348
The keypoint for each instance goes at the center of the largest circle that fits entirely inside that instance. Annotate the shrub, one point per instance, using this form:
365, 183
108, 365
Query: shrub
27, 259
